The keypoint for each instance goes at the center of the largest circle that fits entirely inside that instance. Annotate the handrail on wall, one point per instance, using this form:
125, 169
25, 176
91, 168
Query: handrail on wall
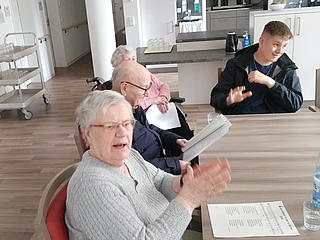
77, 25
44, 37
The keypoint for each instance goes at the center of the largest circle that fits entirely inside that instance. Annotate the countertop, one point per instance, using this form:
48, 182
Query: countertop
181, 57
206, 36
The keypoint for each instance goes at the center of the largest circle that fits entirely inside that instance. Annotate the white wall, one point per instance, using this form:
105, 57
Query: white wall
7, 26
131, 9
71, 45
10, 25
152, 19
158, 19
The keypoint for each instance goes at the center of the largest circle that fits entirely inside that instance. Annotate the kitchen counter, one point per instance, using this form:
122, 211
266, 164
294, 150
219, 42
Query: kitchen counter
181, 57
198, 70
206, 36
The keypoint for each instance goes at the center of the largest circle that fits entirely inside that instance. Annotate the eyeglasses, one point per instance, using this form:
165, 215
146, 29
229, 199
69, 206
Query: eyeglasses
144, 89
112, 126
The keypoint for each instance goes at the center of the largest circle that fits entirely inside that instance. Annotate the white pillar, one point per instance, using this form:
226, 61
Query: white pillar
102, 37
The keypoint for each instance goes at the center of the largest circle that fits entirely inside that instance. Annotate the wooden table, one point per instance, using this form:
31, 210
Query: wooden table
272, 158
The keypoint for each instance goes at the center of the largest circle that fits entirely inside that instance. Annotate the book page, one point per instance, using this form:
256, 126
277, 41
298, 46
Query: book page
251, 220
206, 137
166, 120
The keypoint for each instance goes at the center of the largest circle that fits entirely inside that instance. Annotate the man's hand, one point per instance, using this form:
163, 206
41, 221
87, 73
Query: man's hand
183, 166
182, 142
237, 95
258, 77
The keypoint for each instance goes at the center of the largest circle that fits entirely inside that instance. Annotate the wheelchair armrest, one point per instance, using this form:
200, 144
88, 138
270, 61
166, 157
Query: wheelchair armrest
177, 100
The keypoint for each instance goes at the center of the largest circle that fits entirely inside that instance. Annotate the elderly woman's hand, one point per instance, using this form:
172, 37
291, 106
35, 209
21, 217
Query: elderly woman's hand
203, 183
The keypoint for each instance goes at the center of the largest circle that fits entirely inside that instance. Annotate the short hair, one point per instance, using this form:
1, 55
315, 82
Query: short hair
278, 28
117, 76
128, 71
86, 112
119, 53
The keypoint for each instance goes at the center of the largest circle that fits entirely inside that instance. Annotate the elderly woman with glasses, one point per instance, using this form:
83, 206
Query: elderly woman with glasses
115, 194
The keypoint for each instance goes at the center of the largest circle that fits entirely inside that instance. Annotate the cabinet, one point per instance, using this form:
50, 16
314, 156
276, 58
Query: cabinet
304, 48
20, 97
223, 20
231, 19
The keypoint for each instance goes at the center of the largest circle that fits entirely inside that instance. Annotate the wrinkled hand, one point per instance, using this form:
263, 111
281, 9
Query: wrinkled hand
237, 95
203, 183
162, 103
258, 77
182, 142
163, 107
183, 166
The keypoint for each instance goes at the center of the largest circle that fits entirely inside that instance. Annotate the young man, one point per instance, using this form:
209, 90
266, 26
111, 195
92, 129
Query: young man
260, 78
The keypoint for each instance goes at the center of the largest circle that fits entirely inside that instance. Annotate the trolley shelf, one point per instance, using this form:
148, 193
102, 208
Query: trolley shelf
14, 76
9, 76
12, 100
13, 53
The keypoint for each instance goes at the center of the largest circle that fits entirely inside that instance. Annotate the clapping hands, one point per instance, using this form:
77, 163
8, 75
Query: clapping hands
202, 183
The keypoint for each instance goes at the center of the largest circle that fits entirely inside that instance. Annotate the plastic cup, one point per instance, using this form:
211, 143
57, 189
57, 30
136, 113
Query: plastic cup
211, 116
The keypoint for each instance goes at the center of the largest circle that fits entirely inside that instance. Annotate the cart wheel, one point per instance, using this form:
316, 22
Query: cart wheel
45, 99
27, 115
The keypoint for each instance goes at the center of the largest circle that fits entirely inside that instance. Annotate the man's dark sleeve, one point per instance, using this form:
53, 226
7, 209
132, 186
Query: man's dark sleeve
288, 94
169, 139
167, 164
220, 92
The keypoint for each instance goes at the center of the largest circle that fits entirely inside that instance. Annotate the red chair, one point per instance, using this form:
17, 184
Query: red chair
50, 223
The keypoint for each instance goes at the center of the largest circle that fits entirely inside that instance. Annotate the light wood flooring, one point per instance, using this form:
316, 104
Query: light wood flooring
33, 151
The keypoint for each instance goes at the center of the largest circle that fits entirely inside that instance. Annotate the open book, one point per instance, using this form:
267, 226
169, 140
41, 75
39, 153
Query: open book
207, 136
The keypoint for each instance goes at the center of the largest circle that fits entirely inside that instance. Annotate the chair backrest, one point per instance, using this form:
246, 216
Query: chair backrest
317, 102
81, 143
316, 107
49, 223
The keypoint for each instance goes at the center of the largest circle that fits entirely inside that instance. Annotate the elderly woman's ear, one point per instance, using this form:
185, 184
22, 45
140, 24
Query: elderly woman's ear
85, 134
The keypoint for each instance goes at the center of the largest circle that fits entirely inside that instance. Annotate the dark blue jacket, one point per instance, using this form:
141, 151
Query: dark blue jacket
150, 141
284, 96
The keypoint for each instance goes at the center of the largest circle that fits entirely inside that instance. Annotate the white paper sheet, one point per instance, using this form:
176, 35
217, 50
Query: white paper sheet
251, 220
207, 136
166, 120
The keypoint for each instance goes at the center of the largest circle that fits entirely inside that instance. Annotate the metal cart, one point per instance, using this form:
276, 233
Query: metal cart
14, 76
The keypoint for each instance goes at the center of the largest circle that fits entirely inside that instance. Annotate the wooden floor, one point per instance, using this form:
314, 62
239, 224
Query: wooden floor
32, 152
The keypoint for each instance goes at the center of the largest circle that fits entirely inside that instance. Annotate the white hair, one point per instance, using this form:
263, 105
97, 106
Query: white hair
86, 112
119, 53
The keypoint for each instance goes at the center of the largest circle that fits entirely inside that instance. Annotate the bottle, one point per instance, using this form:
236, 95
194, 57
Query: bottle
184, 6
316, 184
246, 39
196, 5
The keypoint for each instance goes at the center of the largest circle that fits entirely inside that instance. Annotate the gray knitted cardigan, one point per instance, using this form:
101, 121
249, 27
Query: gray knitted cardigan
104, 203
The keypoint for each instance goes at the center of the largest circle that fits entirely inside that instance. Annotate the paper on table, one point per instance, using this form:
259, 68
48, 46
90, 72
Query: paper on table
251, 220
166, 120
207, 136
